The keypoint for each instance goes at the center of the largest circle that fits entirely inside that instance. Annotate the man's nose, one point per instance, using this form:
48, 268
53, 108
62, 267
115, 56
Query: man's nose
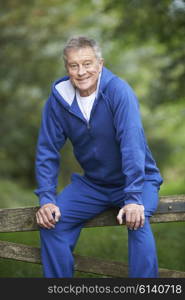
81, 70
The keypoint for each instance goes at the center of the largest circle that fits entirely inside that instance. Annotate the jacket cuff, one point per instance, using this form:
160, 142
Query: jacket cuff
47, 197
135, 198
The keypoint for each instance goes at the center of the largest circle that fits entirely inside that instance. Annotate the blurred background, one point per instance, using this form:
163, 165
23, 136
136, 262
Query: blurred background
143, 42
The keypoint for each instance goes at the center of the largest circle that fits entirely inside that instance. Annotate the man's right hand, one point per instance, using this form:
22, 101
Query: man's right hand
45, 217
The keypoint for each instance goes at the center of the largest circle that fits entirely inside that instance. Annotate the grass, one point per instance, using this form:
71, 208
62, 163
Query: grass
102, 242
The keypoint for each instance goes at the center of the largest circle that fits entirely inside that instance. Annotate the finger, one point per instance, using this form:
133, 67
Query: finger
57, 214
133, 217
45, 222
137, 222
48, 214
120, 216
40, 220
142, 220
37, 219
128, 219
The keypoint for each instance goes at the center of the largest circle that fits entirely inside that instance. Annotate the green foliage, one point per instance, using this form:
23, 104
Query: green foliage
142, 42
13, 195
159, 23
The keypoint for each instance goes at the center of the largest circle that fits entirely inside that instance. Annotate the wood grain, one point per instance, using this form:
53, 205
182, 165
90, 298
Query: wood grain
170, 209
84, 264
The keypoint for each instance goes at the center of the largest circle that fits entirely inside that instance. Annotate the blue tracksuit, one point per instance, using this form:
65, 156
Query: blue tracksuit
118, 169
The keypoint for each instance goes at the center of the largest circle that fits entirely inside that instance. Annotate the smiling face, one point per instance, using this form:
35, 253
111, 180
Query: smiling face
83, 68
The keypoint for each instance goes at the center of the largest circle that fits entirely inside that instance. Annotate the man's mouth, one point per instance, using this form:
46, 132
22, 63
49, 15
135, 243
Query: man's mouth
83, 79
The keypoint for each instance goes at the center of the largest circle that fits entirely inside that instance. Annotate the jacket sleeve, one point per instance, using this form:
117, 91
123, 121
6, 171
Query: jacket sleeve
51, 138
131, 138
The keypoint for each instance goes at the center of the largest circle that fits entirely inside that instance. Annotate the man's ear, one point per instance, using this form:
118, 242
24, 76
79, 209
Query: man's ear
101, 62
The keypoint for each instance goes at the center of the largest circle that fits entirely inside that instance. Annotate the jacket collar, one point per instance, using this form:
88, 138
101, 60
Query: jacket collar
106, 76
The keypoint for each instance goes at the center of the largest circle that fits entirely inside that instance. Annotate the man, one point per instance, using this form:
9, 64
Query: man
99, 113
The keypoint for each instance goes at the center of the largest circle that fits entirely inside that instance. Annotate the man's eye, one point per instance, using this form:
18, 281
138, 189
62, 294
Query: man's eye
73, 66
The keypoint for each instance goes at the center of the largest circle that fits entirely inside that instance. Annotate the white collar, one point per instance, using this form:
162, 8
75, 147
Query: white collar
67, 90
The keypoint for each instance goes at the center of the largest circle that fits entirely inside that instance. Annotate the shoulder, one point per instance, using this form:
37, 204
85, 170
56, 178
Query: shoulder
118, 87
120, 92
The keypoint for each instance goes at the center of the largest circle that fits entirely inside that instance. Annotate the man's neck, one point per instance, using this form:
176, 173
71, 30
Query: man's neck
88, 92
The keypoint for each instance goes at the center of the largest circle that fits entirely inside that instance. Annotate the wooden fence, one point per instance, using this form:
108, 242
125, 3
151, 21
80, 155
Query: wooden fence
170, 209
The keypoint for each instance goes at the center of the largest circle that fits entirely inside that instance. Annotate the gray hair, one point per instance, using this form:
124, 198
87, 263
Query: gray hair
78, 42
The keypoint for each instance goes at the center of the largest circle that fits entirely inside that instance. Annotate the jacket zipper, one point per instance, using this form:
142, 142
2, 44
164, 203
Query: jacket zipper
88, 125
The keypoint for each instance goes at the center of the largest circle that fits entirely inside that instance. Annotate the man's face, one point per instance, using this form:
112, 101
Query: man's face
83, 68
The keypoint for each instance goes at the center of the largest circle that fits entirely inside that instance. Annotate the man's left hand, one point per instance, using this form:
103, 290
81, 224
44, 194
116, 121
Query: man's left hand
134, 216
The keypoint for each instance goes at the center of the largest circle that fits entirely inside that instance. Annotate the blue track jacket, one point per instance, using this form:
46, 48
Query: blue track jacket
111, 148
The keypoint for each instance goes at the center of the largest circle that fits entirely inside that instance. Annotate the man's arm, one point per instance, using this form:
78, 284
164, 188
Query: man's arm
50, 140
130, 135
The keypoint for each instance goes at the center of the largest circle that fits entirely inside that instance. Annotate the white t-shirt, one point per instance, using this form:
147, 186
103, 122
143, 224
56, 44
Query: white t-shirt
67, 91
86, 104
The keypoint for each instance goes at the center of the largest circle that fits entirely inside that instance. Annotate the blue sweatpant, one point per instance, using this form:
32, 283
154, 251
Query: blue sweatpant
82, 200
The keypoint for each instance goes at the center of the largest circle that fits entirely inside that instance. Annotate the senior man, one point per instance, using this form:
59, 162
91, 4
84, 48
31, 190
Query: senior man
99, 113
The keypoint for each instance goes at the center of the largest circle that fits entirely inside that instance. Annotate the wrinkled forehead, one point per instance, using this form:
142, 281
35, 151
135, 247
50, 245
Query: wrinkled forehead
80, 54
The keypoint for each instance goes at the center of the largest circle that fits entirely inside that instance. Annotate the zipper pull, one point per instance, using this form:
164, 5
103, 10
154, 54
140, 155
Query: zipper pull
88, 125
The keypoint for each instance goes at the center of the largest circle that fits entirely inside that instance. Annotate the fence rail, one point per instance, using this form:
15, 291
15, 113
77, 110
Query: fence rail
170, 209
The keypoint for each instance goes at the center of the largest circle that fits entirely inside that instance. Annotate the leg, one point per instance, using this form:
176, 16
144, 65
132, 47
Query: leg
56, 249
142, 252
78, 202
141, 244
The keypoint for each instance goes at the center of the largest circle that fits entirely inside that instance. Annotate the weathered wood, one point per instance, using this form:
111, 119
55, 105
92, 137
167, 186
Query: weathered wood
170, 217
171, 206
170, 209
172, 198
19, 252
18, 219
84, 264
99, 266
108, 218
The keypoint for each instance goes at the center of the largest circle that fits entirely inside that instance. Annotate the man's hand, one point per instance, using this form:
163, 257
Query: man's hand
44, 215
134, 215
